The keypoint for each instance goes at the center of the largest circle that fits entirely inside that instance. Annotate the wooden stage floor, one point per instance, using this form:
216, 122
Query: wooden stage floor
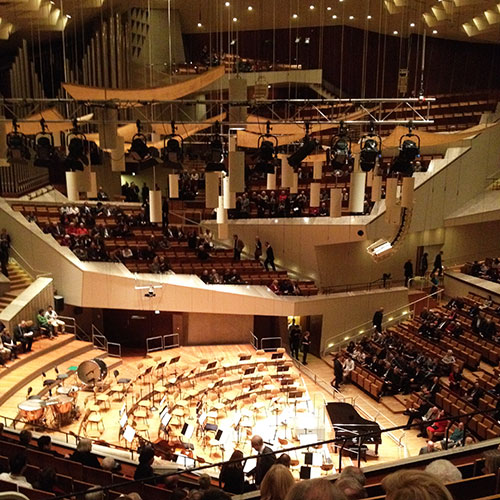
280, 420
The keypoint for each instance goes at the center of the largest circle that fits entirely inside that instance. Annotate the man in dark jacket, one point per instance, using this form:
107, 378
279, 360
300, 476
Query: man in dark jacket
377, 319
408, 269
269, 257
265, 460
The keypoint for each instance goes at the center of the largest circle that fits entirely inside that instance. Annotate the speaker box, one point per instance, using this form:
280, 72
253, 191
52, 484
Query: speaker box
58, 303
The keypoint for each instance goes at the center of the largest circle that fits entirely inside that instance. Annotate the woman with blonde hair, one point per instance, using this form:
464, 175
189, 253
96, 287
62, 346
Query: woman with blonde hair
276, 483
414, 485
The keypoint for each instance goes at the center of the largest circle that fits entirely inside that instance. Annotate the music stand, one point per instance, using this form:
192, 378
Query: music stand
308, 458
282, 368
174, 362
305, 472
245, 357
277, 355
286, 381
187, 430
249, 371
160, 366
211, 365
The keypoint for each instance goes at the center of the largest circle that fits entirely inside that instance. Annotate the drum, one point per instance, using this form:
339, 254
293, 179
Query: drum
32, 409
92, 371
64, 404
68, 390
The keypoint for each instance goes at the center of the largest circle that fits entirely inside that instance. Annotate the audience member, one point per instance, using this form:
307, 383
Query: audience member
276, 483
265, 459
146, 458
444, 470
315, 489
351, 488
23, 335
84, 455
414, 485
17, 465
232, 478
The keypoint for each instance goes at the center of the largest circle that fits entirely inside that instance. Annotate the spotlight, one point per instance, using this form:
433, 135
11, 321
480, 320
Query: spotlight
17, 148
44, 148
409, 151
139, 151
308, 146
214, 158
371, 150
77, 156
339, 156
173, 150
267, 154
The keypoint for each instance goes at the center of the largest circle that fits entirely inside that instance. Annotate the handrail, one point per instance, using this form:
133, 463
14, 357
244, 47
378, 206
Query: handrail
334, 441
367, 326
27, 266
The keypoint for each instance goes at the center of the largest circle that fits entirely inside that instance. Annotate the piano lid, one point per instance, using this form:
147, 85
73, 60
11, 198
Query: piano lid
348, 423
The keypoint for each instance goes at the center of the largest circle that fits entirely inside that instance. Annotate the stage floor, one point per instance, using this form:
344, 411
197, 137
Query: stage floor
221, 396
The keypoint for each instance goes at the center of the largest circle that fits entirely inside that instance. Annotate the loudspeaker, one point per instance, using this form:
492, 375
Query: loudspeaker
58, 303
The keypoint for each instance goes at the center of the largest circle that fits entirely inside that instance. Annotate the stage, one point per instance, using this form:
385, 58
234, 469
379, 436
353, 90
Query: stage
199, 402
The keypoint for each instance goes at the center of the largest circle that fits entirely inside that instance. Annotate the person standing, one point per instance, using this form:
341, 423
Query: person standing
438, 264
258, 248
424, 264
145, 193
408, 269
4, 251
338, 371
434, 283
295, 341
269, 257
306, 343
238, 247
377, 319
265, 460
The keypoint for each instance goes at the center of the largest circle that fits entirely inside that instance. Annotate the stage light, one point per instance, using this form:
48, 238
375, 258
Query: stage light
77, 156
17, 148
308, 146
409, 151
214, 158
339, 156
139, 152
371, 150
173, 149
380, 249
267, 155
44, 148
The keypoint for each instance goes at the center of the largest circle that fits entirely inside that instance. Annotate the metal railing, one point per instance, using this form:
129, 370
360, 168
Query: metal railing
34, 273
73, 328
100, 341
165, 342
391, 318
114, 349
175, 342
273, 340
152, 341
253, 340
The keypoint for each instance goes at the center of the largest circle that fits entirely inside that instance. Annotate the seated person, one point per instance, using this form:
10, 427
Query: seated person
437, 429
5, 354
9, 343
455, 439
23, 335
448, 360
43, 324
474, 394
17, 465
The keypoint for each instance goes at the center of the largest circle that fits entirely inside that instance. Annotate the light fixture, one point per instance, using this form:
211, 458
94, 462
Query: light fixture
307, 147
351, 17
328, 8
334, 16
250, 8
370, 150
434, 32
44, 148
17, 148
235, 19
297, 39
307, 40
339, 156
77, 156
68, 16
214, 158
412, 25
227, 4
395, 32
311, 7
173, 149
139, 152
200, 25
295, 16
380, 249
267, 156
368, 17
409, 151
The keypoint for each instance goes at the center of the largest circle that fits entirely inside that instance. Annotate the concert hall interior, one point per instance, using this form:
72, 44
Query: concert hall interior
249, 243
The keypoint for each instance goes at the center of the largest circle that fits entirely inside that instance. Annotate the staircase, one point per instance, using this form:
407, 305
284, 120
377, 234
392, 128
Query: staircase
19, 281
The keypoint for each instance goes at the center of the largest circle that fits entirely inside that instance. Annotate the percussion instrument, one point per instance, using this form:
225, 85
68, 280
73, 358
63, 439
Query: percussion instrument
32, 410
92, 371
67, 390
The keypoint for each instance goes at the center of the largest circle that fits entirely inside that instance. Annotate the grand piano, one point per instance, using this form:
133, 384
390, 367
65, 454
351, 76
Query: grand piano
357, 431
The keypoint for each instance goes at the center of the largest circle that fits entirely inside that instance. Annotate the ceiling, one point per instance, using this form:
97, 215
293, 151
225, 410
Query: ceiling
472, 20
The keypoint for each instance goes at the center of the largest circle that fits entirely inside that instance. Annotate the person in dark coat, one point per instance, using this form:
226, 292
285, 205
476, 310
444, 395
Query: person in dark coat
408, 269
438, 264
295, 341
269, 257
145, 470
84, 455
338, 371
232, 475
265, 460
377, 319
424, 264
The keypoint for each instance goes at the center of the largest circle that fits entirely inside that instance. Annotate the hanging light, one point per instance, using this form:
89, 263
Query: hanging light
308, 146
77, 156
339, 156
409, 151
173, 150
371, 149
214, 158
45, 153
267, 158
17, 148
139, 153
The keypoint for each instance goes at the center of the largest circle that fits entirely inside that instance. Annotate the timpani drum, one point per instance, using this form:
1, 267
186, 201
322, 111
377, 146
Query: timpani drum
32, 410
